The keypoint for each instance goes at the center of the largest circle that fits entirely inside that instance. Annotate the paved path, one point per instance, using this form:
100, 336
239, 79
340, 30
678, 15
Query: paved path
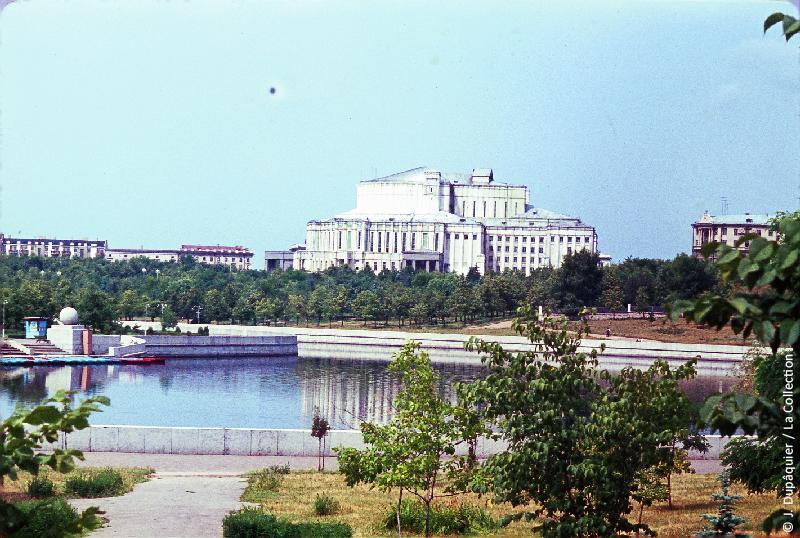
187, 497
170, 506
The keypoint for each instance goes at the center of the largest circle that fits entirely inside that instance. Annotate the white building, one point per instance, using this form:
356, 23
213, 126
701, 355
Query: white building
234, 257
436, 221
52, 248
727, 229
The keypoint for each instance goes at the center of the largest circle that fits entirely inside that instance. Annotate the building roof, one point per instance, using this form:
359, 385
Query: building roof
423, 174
142, 251
215, 248
437, 216
742, 219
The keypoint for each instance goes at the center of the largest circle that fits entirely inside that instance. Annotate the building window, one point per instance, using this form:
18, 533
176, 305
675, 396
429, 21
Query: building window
473, 208
515, 249
506, 248
569, 239
474, 237
561, 239
569, 250
404, 240
541, 250
484, 208
506, 259
413, 241
524, 249
436, 241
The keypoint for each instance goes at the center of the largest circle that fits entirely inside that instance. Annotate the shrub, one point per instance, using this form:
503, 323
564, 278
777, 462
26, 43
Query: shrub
325, 505
253, 523
41, 487
48, 519
102, 483
280, 469
445, 519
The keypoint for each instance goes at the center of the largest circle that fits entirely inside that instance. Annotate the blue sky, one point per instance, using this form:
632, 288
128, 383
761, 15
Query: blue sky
151, 123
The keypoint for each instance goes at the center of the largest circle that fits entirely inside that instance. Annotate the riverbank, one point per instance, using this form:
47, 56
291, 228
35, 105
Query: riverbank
318, 342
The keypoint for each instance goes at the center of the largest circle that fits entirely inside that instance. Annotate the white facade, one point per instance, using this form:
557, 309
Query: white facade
52, 248
233, 257
728, 229
435, 221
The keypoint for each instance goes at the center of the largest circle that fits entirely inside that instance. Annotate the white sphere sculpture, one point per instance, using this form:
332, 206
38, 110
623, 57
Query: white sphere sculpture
68, 316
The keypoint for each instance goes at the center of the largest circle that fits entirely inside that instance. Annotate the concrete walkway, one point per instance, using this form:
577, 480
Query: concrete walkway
188, 496
170, 506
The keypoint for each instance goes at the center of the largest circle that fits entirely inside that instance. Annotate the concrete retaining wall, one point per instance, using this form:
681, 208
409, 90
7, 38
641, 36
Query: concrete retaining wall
195, 346
379, 345
250, 442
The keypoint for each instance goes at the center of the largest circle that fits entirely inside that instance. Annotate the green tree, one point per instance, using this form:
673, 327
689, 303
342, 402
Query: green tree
642, 299
266, 309
416, 451
319, 302
762, 297
366, 305
578, 437
579, 282
215, 307
21, 438
611, 296
296, 306
97, 308
130, 304
169, 319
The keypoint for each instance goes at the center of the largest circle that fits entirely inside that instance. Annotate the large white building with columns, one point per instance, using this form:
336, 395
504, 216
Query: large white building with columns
438, 221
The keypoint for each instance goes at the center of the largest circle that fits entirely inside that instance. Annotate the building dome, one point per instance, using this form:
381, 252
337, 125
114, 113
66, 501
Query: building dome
68, 316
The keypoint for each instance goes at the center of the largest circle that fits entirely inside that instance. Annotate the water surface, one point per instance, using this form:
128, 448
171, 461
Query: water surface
269, 392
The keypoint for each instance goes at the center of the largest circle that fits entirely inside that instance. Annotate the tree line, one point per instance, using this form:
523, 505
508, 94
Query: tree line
104, 291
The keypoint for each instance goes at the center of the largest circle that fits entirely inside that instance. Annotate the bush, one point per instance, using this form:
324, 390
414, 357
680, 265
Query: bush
253, 523
102, 483
41, 487
325, 505
280, 469
267, 479
445, 519
47, 519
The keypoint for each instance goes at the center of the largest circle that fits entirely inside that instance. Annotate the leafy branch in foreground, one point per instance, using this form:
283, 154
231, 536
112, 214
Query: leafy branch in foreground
22, 436
791, 26
765, 300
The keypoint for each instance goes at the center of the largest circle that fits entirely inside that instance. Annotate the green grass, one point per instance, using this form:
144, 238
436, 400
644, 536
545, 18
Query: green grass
366, 510
130, 476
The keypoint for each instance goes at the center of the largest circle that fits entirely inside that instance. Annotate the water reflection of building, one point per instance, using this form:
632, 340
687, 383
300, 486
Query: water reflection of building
349, 392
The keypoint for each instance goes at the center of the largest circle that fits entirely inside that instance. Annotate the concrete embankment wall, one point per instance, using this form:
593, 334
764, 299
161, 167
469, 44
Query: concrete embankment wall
249, 442
320, 342
199, 346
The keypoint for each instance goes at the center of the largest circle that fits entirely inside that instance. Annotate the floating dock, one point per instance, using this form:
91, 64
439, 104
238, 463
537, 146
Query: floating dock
70, 360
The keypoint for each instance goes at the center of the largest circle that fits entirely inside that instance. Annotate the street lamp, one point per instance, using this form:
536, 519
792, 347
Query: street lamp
5, 302
197, 309
158, 272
